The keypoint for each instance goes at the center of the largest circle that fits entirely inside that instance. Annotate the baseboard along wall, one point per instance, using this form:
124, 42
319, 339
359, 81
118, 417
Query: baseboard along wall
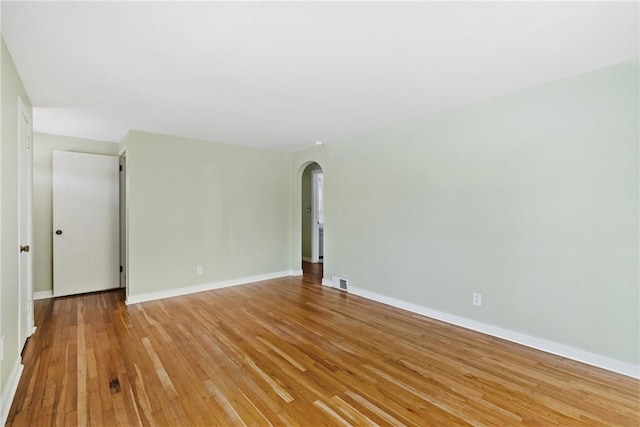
42, 295
541, 344
151, 296
10, 389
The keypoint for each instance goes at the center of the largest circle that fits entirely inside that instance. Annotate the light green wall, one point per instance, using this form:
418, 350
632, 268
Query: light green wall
43, 145
306, 202
11, 89
191, 203
530, 199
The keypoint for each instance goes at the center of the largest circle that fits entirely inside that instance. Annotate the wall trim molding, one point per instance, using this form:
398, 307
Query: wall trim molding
42, 295
327, 282
176, 292
547, 346
10, 389
307, 259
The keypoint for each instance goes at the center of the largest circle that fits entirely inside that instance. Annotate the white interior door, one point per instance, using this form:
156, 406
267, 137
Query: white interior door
25, 184
85, 223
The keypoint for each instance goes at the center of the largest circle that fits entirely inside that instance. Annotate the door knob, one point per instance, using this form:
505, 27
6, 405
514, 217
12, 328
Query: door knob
58, 232
24, 248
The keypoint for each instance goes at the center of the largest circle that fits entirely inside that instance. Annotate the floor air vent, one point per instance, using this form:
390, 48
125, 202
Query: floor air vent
340, 283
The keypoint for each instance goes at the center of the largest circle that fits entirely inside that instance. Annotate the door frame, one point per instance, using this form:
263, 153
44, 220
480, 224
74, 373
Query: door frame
25, 224
123, 220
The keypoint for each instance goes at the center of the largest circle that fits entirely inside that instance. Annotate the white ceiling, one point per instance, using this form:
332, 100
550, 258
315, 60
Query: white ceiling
282, 75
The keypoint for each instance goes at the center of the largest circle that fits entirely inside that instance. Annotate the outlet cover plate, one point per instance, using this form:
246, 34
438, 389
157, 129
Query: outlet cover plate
477, 299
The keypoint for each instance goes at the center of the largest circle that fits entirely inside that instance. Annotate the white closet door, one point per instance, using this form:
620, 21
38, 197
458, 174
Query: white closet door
85, 223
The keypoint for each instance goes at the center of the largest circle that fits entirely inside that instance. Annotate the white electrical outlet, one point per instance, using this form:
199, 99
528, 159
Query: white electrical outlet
477, 299
199, 270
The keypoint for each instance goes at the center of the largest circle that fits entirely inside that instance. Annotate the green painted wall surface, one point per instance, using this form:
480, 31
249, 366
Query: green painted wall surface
306, 202
530, 199
43, 145
195, 203
11, 89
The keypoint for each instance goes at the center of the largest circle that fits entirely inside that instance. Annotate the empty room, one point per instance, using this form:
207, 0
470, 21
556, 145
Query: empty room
320, 213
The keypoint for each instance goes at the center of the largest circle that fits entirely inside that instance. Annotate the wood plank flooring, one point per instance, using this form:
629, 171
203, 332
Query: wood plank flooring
291, 352
312, 272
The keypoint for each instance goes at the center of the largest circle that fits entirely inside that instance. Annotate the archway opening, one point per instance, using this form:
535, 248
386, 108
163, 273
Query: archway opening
313, 226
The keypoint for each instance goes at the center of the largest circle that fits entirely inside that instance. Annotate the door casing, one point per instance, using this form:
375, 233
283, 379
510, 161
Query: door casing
123, 220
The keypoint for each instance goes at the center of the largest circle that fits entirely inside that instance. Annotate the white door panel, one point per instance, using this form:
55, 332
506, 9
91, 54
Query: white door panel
25, 277
85, 223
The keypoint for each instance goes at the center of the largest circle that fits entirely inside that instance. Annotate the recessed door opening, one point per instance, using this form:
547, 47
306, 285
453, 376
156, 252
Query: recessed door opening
313, 226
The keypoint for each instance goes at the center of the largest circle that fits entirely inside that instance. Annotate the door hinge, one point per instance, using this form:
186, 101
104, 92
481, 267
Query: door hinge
120, 168
120, 269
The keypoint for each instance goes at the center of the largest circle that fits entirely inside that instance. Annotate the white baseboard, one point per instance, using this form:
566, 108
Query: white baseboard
326, 282
583, 356
10, 389
307, 259
151, 296
42, 295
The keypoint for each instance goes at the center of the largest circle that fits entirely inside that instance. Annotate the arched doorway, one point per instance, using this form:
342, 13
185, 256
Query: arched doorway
312, 223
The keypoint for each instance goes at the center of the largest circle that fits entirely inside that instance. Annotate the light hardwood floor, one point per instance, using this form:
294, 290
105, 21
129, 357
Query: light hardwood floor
291, 352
